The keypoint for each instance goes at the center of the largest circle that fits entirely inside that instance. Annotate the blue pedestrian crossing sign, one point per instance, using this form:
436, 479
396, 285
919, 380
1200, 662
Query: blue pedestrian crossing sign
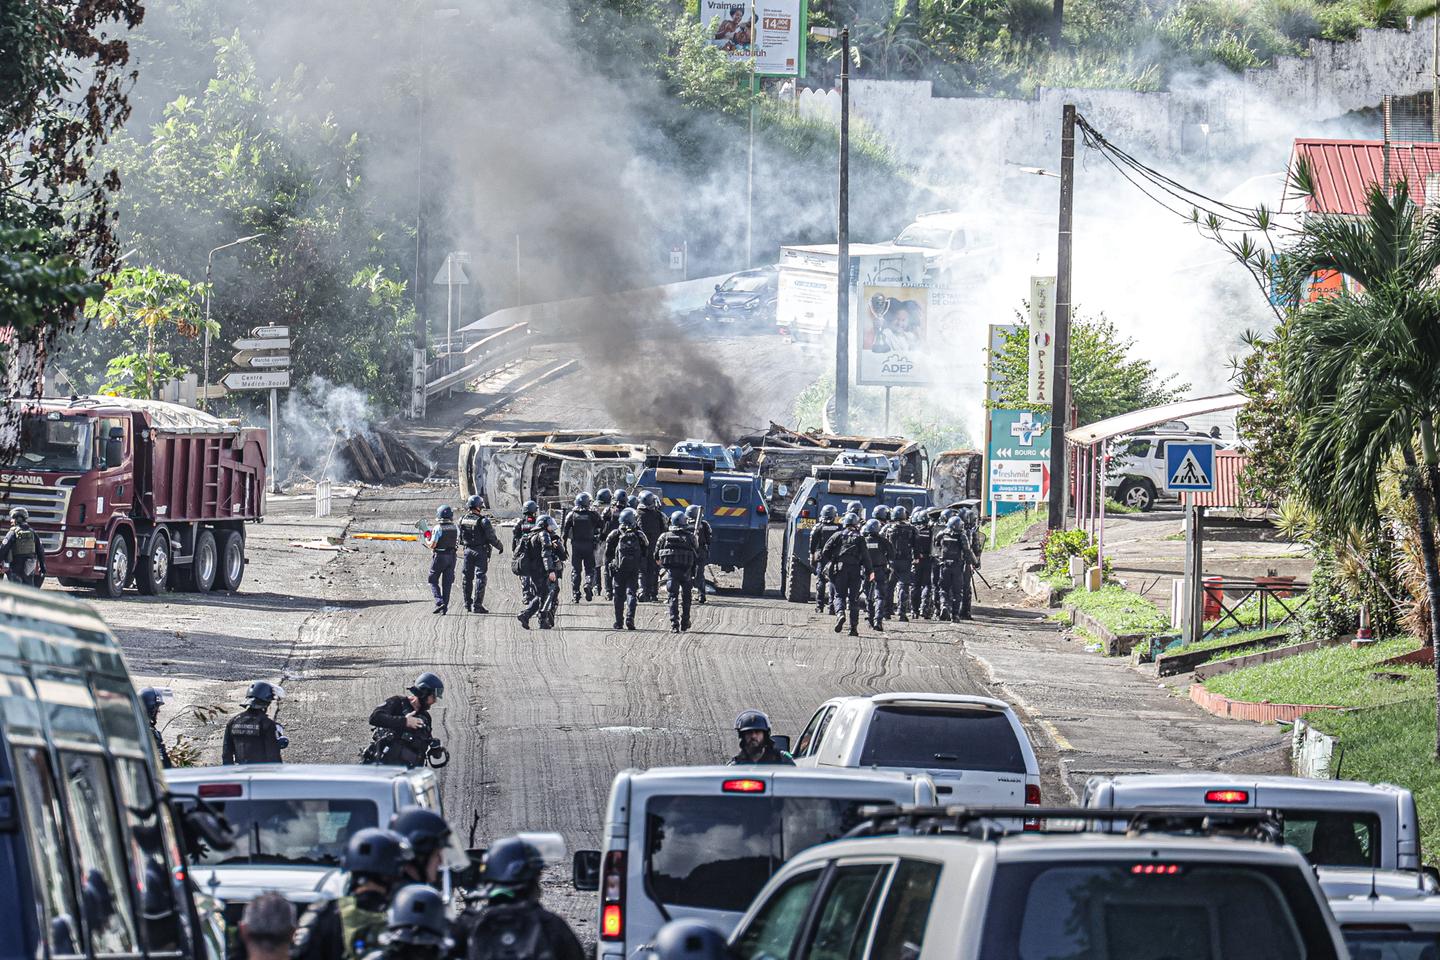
1189, 467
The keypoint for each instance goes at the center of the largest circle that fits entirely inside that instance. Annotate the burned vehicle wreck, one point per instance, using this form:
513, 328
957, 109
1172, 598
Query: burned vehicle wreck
508, 468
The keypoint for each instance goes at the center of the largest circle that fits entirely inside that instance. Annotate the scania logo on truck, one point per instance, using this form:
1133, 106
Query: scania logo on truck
10, 478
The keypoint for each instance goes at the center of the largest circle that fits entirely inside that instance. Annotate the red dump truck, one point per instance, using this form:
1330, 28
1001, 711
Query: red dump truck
136, 491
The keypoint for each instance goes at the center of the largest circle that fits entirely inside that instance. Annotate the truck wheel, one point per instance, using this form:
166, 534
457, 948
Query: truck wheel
752, 581
205, 562
798, 583
153, 574
1137, 494
117, 567
232, 561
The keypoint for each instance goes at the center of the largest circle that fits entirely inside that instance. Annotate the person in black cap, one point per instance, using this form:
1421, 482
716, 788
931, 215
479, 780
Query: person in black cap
252, 736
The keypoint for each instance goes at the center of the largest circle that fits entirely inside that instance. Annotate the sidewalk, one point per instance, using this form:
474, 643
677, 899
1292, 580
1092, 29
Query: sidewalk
1103, 716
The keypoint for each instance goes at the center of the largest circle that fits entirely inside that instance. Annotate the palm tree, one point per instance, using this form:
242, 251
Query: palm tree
1363, 369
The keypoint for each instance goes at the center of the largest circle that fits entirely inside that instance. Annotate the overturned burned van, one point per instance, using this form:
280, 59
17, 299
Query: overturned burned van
957, 475
509, 468
783, 459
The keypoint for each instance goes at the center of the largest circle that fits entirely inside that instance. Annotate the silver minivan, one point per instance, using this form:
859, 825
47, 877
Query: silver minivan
700, 842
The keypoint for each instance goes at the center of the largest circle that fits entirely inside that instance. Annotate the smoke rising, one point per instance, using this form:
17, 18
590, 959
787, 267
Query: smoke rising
314, 416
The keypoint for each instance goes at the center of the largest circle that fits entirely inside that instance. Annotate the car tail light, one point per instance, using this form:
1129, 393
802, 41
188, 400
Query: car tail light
1032, 799
760, 509
612, 896
804, 514
743, 786
214, 790
1155, 869
1227, 796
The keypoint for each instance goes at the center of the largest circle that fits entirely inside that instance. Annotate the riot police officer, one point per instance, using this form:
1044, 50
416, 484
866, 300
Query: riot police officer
580, 533
477, 536
704, 536
544, 564
252, 736
627, 552
524, 526
603, 500
753, 729
881, 556
429, 836
512, 914
901, 535
443, 541
847, 565
349, 927
677, 553
825, 527
150, 698
22, 552
652, 524
403, 731
922, 592
416, 927
956, 559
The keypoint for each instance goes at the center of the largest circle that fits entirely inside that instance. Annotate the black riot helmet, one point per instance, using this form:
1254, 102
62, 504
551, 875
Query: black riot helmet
629, 518
603, 496
262, 694
19, 515
881, 513
531, 508
582, 501
692, 512
648, 499
444, 512
752, 720
851, 520
151, 698
475, 502
513, 862
622, 499
900, 514
377, 854
677, 520
417, 918
828, 513
428, 685
425, 829
689, 939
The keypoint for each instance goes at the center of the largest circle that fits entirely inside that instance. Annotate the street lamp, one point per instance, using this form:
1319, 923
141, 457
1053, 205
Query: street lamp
209, 263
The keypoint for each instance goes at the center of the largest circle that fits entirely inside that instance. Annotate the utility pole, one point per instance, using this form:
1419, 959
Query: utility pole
1435, 84
420, 351
1057, 23
750, 156
1060, 400
842, 263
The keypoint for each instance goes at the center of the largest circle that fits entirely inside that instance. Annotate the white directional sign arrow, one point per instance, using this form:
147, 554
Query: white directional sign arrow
256, 380
270, 333
262, 344
249, 358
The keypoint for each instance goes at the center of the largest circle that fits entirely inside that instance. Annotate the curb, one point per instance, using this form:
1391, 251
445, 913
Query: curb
1115, 644
1205, 671
1216, 705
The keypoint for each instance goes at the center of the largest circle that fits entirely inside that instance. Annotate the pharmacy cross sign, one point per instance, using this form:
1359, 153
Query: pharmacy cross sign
1025, 429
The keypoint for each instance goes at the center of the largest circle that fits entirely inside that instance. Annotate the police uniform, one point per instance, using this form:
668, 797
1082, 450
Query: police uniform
253, 737
922, 592
24, 553
160, 750
477, 536
398, 745
770, 755
609, 523
522, 529
626, 553
820, 534
581, 532
544, 555
901, 535
704, 536
955, 559
677, 551
878, 589
652, 524
444, 540
847, 565
343, 929
514, 930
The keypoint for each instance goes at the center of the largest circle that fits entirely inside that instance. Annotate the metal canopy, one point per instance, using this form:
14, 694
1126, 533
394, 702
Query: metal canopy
1138, 420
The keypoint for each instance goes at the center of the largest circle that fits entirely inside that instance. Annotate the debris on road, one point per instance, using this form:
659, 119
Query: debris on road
382, 457
385, 536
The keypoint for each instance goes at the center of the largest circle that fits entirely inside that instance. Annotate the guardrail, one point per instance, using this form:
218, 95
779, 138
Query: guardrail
488, 350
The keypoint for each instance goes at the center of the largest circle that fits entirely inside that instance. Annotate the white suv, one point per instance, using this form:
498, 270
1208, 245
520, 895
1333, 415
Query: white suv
1136, 476
974, 748
953, 247
973, 892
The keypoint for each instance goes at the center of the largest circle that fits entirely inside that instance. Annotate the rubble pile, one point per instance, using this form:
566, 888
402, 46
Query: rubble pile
381, 457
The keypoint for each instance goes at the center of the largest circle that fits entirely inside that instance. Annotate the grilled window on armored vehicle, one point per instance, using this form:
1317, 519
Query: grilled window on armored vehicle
907, 502
730, 493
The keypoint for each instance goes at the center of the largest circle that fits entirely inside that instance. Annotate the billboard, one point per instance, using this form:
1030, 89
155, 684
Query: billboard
894, 324
1018, 456
770, 31
1042, 340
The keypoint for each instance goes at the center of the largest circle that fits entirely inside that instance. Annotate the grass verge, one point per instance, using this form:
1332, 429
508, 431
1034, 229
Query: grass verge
1119, 610
1012, 526
1336, 676
1393, 744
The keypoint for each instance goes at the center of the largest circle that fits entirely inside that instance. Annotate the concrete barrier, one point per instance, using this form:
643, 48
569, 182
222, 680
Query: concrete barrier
1313, 754
1214, 703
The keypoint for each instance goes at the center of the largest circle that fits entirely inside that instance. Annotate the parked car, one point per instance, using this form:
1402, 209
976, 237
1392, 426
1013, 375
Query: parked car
1334, 823
747, 297
974, 748
1136, 476
954, 247
968, 890
701, 841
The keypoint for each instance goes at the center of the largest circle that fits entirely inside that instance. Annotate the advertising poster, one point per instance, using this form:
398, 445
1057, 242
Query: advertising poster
894, 326
1042, 339
771, 31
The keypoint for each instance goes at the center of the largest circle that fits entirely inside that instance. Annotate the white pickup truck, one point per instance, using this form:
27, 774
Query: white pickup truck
974, 748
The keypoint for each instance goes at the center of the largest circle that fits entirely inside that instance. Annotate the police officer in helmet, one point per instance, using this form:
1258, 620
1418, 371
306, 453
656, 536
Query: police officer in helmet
429, 837
676, 553
653, 525
753, 729
825, 527
541, 556
416, 927
627, 552
151, 699
690, 939
849, 568
403, 728
22, 552
477, 536
704, 534
581, 531
348, 928
524, 526
512, 923
252, 736
443, 541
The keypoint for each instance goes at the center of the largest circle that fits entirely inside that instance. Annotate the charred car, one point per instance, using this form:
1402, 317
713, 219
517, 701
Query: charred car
508, 468
783, 459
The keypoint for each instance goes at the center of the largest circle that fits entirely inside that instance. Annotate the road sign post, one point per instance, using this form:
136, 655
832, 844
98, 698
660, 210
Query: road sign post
1190, 469
264, 357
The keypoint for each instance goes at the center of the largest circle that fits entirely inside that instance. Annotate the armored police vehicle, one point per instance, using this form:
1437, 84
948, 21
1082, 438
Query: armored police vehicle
731, 501
834, 486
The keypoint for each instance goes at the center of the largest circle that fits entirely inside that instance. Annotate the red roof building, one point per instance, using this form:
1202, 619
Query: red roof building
1344, 170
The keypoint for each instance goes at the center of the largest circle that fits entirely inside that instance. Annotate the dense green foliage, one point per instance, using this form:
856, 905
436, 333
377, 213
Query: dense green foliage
1339, 676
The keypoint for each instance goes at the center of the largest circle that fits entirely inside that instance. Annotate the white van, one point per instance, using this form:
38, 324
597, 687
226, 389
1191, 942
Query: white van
702, 841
